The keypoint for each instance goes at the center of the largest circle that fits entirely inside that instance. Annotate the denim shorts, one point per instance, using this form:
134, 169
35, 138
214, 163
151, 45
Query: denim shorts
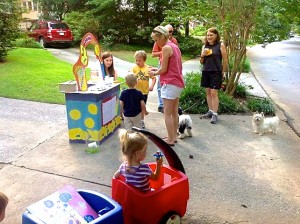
170, 92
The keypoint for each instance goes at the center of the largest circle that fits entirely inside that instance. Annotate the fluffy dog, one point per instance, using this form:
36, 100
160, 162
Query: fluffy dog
263, 125
185, 123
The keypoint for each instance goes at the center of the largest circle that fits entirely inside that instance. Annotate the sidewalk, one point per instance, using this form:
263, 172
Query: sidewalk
235, 175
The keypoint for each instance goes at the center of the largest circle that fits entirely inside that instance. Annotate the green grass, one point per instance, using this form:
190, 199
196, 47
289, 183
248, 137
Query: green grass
33, 74
129, 56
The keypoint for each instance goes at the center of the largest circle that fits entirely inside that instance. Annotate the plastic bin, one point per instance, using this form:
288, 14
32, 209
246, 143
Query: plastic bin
110, 211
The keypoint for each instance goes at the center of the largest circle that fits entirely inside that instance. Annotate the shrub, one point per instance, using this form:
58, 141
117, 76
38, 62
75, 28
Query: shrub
245, 67
261, 105
193, 98
190, 46
10, 14
26, 42
240, 90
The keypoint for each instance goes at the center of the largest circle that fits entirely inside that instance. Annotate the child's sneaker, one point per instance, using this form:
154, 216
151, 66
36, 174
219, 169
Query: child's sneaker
143, 125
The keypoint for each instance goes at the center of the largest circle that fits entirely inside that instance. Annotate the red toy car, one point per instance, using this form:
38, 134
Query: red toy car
166, 202
51, 32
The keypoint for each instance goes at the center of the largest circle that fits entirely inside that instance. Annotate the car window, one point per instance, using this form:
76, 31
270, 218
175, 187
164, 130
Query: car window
33, 26
44, 26
59, 26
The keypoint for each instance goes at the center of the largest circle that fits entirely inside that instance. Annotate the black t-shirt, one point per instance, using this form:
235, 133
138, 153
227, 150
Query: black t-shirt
213, 62
132, 102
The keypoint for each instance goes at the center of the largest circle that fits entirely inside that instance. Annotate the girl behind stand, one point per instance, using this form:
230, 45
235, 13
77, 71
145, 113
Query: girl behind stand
108, 62
134, 150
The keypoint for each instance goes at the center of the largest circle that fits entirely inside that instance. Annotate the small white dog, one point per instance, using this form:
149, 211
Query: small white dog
263, 125
185, 123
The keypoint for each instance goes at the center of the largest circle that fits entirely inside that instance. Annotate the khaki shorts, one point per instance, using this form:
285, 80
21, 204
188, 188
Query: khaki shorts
130, 122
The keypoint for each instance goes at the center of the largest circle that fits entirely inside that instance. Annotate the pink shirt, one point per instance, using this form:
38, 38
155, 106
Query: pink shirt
173, 75
156, 48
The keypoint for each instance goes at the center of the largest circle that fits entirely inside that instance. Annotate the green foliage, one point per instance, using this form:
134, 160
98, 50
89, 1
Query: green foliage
240, 91
26, 42
261, 105
9, 24
228, 104
130, 21
245, 67
199, 31
193, 98
57, 9
190, 46
272, 23
82, 23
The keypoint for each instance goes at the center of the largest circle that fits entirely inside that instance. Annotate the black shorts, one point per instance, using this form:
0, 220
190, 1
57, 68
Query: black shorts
211, 79
145, 98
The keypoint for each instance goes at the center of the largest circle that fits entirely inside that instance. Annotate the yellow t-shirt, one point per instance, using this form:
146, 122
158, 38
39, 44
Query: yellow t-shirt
143, 78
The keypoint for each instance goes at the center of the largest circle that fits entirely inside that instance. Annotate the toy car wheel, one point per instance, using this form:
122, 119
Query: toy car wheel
171, 218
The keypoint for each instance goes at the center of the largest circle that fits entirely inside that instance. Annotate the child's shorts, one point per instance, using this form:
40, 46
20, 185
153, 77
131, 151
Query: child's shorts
136, 121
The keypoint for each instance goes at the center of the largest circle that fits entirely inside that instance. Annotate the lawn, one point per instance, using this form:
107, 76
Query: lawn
129, 56
33, 74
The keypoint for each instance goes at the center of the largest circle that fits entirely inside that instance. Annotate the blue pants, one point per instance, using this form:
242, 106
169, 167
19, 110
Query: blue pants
160, 101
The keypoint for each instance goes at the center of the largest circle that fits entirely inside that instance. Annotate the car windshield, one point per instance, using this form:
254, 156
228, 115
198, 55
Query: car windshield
59, 26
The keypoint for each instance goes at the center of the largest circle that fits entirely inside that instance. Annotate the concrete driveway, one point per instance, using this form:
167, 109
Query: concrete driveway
235, 175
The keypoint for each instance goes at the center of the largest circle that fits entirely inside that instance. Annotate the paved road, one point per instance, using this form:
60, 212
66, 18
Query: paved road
277, 68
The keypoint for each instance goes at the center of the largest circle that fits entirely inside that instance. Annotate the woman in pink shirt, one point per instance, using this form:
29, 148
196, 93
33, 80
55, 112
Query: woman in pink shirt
171, 80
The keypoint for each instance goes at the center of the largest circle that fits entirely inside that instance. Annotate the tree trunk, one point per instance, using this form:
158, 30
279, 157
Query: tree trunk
237, 18
187, 29
146, 13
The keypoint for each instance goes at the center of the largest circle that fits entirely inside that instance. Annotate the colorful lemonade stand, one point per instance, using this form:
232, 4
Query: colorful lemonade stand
93, 110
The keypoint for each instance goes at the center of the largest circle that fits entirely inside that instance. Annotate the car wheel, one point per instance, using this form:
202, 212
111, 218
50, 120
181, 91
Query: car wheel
42, 42
171, 218
68, 45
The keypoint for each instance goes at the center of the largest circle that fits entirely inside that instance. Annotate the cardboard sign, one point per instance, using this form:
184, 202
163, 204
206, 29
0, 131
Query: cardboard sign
79, 68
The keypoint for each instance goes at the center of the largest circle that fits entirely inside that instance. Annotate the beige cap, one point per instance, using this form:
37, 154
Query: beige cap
161, 29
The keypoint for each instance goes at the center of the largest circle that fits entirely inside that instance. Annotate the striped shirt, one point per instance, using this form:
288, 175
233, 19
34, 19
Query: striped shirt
138, 176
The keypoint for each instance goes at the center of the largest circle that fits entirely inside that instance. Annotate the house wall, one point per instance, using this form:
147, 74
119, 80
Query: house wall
31, 12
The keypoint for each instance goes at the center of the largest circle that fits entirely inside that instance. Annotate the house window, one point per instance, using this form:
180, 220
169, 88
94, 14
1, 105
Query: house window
29, 3
35, 6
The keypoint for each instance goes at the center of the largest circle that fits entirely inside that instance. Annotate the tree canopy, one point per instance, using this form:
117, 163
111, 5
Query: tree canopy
10, 16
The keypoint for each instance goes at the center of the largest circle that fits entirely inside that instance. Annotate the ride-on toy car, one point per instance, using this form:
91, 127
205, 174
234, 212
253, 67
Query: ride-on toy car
166, 202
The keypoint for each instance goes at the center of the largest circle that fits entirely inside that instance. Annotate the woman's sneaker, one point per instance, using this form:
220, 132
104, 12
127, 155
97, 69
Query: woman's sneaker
214, 119
207, 115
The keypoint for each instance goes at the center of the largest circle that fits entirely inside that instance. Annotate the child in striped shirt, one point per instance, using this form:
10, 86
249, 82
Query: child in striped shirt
134, 148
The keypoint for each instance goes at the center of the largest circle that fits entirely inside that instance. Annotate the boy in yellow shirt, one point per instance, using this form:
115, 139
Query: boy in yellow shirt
141, 70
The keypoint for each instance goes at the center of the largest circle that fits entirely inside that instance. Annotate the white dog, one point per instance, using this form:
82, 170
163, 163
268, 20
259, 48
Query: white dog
185, 123
263, 125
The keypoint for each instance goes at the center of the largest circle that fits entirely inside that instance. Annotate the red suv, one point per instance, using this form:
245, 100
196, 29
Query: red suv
51, 32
